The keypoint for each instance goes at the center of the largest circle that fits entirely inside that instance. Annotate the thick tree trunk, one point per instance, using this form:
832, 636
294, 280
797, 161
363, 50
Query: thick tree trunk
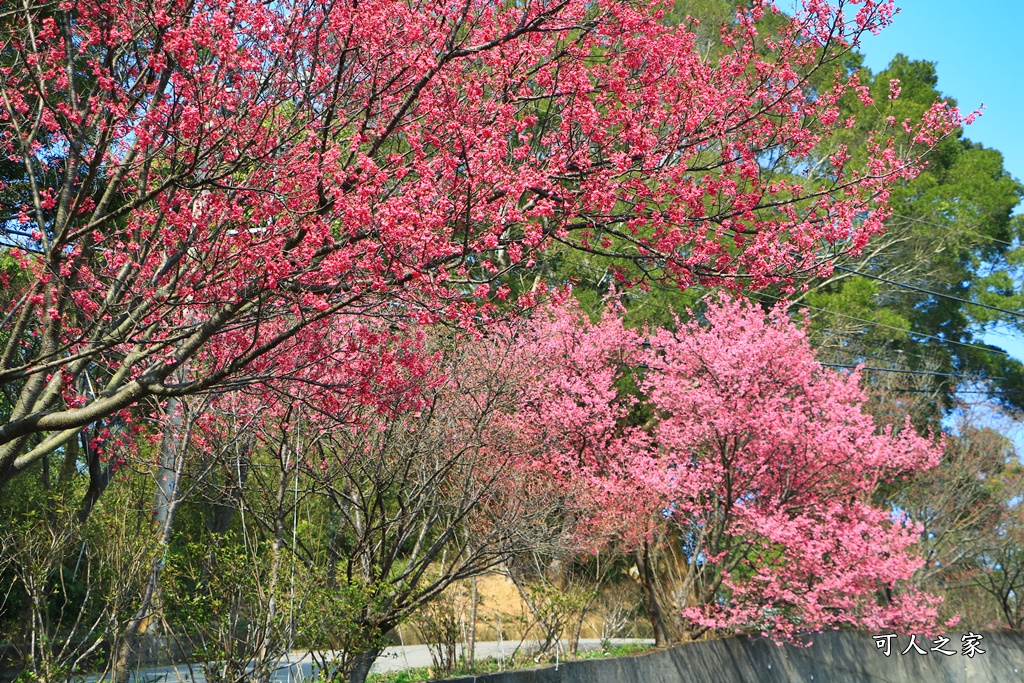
361, 665
668, 584
167, 475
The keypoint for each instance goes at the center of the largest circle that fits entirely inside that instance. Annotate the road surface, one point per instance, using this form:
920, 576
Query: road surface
298, 667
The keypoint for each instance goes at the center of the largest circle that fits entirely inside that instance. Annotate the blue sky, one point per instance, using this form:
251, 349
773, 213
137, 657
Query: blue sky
978, 48
979, 51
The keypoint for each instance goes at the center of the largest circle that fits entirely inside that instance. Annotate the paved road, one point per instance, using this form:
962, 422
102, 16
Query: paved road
298, 667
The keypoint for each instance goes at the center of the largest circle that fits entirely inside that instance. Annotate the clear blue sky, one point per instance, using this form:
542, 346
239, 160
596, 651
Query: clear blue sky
978, 48
979, 51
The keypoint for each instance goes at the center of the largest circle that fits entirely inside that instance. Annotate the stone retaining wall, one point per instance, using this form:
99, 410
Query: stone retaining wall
834, 657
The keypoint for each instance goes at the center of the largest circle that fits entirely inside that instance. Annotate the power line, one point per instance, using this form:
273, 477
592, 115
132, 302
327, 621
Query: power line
946, 227
888, 281
1005, 392
903, 371
898, 329
943, 340
929, 292
993, 392
669, 309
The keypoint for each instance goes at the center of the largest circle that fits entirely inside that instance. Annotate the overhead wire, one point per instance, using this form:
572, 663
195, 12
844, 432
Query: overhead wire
903, 371
929, 292
989, 392
946, 227
988, 349
943, 340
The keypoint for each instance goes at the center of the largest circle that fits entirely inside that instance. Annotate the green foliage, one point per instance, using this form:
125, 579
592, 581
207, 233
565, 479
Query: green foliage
439, 624
951, 232
337, 616
69, 583
624, 650
556, 607
13, 281
204, 582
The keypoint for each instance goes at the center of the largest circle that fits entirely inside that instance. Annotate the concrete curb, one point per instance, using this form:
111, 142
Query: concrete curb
834, 657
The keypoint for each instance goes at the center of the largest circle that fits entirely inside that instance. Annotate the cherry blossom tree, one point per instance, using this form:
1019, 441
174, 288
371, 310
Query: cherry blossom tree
775, 464
201, 180
742, 473
377, 506
245, 453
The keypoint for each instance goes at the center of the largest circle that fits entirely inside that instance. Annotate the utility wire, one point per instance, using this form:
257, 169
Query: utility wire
1005, 392
1010, 392
943, 340
663, 309
964, 229
905, 371
915, 288
990, 392
897, 329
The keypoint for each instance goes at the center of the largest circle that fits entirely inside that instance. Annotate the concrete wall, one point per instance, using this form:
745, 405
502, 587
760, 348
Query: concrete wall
834, 657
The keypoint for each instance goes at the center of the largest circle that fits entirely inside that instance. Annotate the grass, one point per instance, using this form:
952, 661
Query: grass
493, 665
617, 651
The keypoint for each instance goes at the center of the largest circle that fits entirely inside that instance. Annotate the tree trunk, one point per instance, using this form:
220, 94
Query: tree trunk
172, 461
70, 465
473, 599
167, 475
226, 497
361, 665
99, 477
269, 650
652, 594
